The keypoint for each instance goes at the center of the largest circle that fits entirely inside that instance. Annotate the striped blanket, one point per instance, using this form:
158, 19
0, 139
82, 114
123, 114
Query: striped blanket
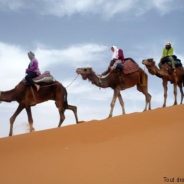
44, 77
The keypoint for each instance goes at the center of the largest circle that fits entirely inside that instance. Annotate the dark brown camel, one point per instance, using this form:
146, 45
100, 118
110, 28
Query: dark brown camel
118, 83
166, 74
27, 96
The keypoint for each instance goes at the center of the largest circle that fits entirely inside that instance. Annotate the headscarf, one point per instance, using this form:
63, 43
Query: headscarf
31, 54
115, 53
168, 44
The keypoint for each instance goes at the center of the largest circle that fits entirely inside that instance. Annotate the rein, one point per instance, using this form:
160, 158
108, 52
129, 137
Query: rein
72, 81
55, 84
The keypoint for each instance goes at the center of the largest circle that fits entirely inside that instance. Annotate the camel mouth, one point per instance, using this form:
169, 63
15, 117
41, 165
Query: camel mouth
78, 71
143, 61
84, 77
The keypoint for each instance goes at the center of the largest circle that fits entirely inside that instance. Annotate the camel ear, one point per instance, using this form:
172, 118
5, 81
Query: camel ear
89, 69
151, 60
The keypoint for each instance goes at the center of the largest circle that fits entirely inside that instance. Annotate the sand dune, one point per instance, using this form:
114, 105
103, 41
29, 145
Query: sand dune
140, 148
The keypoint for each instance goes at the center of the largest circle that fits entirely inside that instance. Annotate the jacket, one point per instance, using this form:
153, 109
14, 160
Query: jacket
167, 52
33, 67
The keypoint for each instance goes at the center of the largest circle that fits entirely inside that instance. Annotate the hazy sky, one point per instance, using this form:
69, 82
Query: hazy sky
66, 34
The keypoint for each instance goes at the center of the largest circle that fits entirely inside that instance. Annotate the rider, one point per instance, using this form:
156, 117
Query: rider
32, 70
116, 61
168, 52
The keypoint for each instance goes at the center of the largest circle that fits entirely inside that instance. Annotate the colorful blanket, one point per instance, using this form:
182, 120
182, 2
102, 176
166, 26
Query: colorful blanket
130, 66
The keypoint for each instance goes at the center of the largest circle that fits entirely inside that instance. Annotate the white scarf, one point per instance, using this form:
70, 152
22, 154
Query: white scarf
115, 53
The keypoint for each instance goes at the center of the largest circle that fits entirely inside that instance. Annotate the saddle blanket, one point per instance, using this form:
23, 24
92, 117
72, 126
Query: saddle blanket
130, 66
44, 77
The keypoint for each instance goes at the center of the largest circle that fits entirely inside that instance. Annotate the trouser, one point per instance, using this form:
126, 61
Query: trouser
172, 61
29, 78
167, 59
114, 64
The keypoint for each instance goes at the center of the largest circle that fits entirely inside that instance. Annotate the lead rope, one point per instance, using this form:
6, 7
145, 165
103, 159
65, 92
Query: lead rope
72, 81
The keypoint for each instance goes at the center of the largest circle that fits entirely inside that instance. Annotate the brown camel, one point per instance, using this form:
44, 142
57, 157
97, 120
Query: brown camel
166, 74
119, 82
27, 96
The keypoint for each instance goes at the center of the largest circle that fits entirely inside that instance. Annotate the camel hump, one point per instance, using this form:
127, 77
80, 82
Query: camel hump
130, 66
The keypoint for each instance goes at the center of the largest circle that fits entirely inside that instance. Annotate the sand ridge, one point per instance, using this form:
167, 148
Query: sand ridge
134, 148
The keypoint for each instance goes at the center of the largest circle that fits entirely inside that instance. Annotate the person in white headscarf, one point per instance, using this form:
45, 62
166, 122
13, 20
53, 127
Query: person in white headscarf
117, 59
114, 50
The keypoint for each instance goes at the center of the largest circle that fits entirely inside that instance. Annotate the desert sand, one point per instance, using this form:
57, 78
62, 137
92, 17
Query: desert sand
137, 148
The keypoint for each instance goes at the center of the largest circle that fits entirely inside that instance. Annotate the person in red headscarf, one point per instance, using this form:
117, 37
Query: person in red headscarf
116, 61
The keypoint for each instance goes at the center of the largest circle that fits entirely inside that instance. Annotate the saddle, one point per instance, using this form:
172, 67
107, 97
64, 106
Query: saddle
130, 66
177, 62
45, 77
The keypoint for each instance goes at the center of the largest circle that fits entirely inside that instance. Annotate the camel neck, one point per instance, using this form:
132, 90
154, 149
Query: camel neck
100, 82
156, 71
159, 72
7, 96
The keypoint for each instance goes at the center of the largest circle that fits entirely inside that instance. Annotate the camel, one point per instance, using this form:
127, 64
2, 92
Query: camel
119, 81
28, 96
166, 74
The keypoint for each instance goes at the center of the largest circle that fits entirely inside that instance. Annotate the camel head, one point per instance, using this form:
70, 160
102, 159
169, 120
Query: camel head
150, 65
85, 72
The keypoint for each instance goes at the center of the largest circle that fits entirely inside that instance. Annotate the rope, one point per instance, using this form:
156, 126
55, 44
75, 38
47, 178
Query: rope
72, 81
55, 84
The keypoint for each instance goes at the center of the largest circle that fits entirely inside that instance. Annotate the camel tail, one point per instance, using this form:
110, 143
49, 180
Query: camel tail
143, 78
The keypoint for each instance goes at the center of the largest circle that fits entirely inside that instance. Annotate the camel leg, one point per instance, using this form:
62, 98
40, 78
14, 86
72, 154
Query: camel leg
30, 119
175, 94
12, 119
121, 103
182, 94
113, 102
74, 109
165, 92
144, 90
62, 116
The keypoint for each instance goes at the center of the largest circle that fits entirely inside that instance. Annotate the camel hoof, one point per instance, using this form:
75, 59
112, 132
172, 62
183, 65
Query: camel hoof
32, 130
10, 132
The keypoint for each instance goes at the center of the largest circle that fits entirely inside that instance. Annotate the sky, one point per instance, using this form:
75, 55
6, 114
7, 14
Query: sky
67, 34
